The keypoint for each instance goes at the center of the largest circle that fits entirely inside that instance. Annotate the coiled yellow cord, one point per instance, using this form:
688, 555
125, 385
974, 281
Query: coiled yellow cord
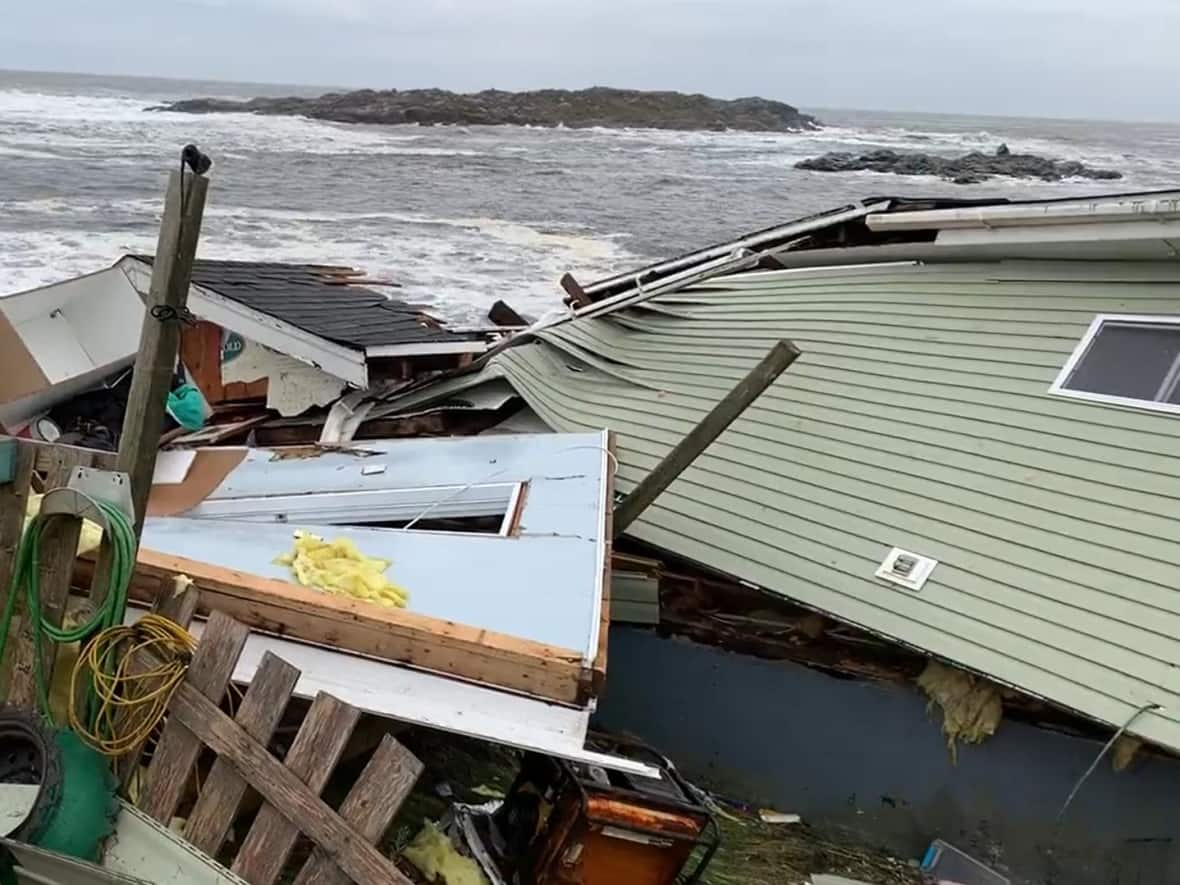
130, 698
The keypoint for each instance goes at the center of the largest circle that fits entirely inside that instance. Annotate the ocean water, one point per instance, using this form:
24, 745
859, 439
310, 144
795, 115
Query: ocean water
461, 216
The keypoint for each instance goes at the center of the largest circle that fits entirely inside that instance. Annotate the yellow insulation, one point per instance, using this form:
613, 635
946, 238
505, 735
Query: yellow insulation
972, 707
435, 857
339, 567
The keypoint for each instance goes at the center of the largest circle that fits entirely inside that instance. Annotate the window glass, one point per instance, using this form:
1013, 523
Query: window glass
1130, 360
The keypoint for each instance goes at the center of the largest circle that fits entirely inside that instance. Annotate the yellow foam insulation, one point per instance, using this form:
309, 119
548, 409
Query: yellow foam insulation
88, 539
971, 706
435, 857
339, 567
1124, 751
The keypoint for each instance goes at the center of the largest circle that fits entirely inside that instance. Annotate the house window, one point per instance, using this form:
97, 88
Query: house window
1128, 360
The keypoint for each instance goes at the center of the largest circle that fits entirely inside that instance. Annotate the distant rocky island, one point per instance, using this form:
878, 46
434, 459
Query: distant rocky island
970, 168
583, 108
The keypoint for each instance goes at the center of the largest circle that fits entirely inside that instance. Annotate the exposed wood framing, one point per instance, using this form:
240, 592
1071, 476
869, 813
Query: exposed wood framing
392, 634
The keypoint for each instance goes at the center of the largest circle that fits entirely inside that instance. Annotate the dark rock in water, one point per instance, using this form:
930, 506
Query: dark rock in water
600, 106
970, 168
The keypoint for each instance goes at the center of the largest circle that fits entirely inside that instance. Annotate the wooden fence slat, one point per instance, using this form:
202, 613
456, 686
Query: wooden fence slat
313, 755
13, 498
284, 791
259, 714
178, 749
361, 861
369, 806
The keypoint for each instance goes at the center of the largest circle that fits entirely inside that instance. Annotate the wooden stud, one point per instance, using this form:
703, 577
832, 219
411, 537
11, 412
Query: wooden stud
59, 545
159, 341
708, 429
260, 713
369, 807
177, 752
292, 798
313, 755
14, 495
391, 634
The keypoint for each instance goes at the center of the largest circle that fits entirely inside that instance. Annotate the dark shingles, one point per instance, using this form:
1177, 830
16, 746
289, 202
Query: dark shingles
314, 299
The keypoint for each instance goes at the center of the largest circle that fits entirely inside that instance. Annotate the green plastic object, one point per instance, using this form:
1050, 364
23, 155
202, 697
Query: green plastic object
87, 807
187, 407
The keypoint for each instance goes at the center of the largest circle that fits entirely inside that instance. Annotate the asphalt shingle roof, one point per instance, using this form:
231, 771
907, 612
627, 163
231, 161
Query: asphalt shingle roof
320, 299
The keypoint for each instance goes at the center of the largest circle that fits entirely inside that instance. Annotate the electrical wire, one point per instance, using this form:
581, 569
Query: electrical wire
130, 698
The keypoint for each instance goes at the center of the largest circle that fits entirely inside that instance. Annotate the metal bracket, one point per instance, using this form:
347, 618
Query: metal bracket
87, 485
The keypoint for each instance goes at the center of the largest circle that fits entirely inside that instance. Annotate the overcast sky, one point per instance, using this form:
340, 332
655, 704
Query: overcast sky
1065, 58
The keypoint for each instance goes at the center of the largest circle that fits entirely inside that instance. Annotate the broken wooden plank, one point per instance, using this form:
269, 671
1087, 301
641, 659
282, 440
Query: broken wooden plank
59, 544
281, 788
724, 413
313, 755
391, 634
259, 714
13, 499
370, 806
178, 749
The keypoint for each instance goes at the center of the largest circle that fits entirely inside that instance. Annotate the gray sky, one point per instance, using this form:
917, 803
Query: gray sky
1062, 58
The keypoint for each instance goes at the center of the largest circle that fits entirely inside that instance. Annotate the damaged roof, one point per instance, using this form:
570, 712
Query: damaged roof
324, 300
919, 416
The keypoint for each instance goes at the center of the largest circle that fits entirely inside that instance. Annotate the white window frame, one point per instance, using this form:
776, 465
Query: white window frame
360, 506
1058, 388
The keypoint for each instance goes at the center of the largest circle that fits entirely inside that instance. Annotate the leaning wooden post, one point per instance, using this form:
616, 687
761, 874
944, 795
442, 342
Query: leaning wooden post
159, 341
710, 427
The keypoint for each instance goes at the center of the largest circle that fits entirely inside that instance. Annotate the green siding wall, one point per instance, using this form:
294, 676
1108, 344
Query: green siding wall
918, 416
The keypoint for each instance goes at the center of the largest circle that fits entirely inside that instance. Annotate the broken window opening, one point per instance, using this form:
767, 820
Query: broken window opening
487, 508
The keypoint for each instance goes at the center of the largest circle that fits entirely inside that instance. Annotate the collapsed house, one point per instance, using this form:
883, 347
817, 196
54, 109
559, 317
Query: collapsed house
971, 463
264, 343
965, 482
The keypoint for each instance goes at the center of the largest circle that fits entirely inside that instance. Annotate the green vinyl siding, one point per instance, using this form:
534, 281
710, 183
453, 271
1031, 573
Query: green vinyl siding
918, 416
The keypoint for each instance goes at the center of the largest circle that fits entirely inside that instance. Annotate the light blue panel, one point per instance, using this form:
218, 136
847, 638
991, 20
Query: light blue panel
542, 584
564, 472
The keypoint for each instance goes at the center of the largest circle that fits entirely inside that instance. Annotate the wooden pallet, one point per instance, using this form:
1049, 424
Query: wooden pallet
290, 788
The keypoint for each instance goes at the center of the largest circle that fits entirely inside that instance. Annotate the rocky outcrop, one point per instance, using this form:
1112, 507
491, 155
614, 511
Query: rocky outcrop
967, 169
611, 108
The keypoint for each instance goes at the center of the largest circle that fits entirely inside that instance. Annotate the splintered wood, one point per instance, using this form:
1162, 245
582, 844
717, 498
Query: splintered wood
344, 840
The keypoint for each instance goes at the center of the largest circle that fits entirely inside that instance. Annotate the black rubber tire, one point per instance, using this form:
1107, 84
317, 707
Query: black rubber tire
28, 755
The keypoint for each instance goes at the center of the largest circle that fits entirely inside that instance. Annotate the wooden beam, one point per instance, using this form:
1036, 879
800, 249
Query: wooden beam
699, 438
59, 546
283, 789
259, 715
370, 806
177, 752
159, 341
577, 295
313, 756
14, 495
288, 609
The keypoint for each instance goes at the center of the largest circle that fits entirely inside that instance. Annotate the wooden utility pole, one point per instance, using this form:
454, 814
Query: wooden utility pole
710, 427
159, 341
